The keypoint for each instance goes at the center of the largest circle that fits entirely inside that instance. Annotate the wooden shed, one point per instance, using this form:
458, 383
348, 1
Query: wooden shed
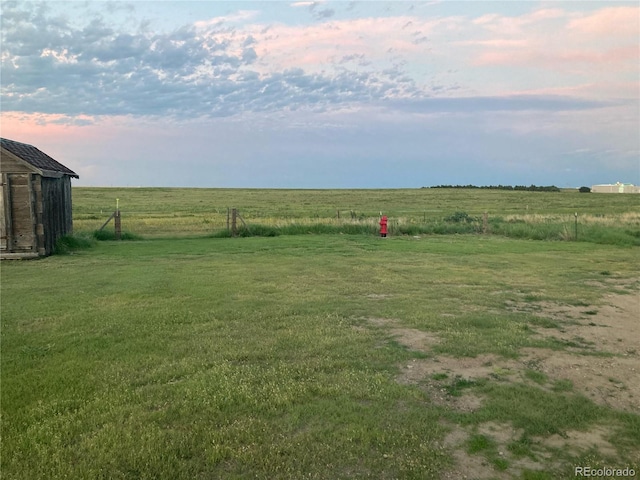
35, 201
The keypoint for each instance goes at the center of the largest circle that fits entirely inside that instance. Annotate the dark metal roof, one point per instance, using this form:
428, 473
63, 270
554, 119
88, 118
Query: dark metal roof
35, 157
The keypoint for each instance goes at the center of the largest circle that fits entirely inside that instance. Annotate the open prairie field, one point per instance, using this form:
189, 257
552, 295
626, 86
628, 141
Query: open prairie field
157, 212
324, 356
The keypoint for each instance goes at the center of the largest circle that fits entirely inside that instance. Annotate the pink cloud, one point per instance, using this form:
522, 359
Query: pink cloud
595, 90
312, 47
515, 25
557, 58
23, 127
495, 43
76, 146
544, 38
554, 39
616, 21
241, 15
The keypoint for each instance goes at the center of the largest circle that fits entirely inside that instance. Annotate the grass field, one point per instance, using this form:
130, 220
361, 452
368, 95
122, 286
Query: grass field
162, 212
184, 356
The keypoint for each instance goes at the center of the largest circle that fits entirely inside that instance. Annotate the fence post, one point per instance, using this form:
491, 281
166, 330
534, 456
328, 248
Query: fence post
576, 215
118, 226
485, 222
234, 226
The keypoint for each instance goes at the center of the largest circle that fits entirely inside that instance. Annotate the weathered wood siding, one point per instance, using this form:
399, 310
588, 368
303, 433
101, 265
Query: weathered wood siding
35, 211
5, 215
21, 211
56, 210
10, 165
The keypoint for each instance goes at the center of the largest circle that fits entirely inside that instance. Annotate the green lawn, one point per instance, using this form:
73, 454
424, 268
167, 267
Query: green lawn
276, 358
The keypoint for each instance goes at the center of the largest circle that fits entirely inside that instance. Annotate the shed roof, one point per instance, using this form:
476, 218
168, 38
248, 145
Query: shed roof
35, 157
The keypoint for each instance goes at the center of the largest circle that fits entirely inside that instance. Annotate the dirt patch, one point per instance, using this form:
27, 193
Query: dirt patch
576, 441
433, 376
418, 372
606, 365
411, 338
414, 339
467, 466
482, 366
611, 327
610, 381
602, 362
479, 465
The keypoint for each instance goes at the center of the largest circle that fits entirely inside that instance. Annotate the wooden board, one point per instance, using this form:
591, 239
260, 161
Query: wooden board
9, 164
56, 217
19, 256
22, 213
3, 219
7, 222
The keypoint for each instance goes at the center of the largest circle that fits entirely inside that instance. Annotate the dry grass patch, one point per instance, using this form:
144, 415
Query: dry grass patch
610, 220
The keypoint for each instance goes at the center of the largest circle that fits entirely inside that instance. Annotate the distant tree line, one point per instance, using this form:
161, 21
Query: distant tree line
531, 188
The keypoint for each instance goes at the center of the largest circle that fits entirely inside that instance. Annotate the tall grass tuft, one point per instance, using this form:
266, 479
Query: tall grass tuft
70, 243
457, 224
609, 235
258, 231
107, 235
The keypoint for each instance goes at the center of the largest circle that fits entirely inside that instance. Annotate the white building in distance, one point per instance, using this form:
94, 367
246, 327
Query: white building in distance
615, 188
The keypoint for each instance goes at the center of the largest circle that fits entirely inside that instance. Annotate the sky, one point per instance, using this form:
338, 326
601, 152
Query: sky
326, 94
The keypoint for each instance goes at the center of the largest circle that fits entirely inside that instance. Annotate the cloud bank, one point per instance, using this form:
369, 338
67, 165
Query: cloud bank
422, 84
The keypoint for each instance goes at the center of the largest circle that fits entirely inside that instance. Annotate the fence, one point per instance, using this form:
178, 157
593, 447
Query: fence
231, 219
619, 229
623, 229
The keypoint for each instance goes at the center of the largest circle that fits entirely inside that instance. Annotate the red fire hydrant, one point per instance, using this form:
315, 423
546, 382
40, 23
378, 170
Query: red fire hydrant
383, 226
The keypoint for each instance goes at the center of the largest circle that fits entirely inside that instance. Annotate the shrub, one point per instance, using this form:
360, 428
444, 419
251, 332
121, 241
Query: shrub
410, 230
257, 231
69, 243
460, 217
106, 235
298, 229
221, 234
584, 190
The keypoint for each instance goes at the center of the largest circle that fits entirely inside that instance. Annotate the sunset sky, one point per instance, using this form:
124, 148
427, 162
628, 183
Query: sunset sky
326, 94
